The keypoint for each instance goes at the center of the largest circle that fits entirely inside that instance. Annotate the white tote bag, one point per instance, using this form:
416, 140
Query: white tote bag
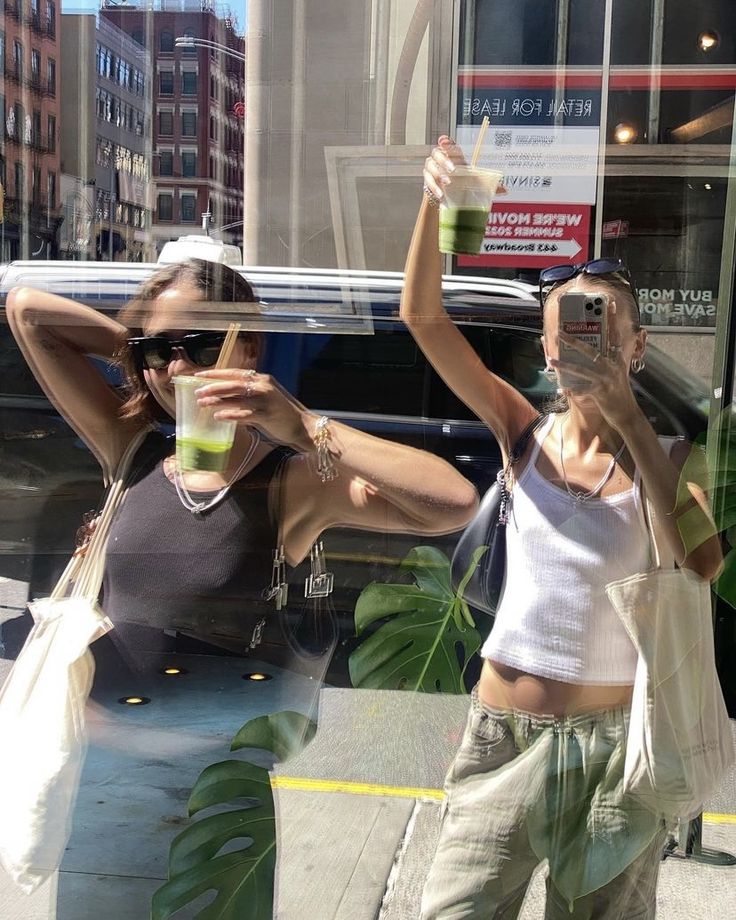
680, 743
42, 709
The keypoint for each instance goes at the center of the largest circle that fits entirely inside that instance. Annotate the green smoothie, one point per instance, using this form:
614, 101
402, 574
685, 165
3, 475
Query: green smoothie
462, 229
202, 454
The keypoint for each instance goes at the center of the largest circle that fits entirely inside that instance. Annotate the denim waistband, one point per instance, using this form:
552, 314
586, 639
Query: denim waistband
616, 716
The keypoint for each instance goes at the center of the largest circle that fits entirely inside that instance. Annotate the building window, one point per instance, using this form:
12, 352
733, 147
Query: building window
166, 163
51, 131
35, 67
166, 123
20, 181
213, 88
51, 75
51, 18
36, 128
36, 185
189, 83
51, 189
213, 128
189, 124
165, 207
2, 53
166, 83
166, 40
188, 33
188, 208
189, 164
18, 59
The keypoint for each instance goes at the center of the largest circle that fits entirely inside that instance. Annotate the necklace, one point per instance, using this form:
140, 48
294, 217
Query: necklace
581, 496
200, 507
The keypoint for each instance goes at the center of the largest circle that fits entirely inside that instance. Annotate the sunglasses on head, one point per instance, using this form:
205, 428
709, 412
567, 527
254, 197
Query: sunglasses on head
550, 277
153, 352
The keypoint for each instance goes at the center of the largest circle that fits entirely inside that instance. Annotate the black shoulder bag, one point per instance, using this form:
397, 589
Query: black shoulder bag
488, 529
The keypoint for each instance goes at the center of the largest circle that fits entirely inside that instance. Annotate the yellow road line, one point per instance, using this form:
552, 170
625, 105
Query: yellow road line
304, 784
329, 785
712, 817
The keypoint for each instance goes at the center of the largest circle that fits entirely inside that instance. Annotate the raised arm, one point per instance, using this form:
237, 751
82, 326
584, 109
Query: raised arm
55, 336
497, 403
380, 485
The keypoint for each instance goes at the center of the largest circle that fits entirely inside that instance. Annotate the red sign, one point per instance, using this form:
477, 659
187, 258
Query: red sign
613, 229
533, 236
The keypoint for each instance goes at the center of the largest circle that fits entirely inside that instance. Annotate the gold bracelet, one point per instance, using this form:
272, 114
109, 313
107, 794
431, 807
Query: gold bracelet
325, 464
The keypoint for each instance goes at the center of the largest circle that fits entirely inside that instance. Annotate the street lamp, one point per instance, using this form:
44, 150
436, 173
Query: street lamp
187, 41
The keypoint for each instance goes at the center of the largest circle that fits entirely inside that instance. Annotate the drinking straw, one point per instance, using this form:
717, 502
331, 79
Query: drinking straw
228, 344
479, 141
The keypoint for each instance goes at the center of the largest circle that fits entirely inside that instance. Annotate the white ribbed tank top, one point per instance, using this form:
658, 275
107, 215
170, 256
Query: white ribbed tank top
554, 618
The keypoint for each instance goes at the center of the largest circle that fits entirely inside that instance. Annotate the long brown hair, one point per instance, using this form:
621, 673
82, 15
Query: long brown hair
218, 283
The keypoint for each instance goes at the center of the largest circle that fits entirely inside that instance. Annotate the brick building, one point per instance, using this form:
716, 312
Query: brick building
29, 108
197, 136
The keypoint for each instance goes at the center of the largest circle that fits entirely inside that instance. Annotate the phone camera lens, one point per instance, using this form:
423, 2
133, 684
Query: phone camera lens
598, 301
598, 311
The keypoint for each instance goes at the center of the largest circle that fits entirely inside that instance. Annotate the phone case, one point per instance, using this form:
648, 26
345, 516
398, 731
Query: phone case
583, 315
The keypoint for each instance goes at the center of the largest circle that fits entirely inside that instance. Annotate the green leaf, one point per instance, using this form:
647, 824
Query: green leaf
243, 879
230, 779
416, 648
282, 733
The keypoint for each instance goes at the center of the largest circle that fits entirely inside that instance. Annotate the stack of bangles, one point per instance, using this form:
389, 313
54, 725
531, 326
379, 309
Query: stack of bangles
325, 464
433, 200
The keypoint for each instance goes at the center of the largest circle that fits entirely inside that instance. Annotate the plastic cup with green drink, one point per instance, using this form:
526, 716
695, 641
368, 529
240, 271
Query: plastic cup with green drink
203, 442
465, 207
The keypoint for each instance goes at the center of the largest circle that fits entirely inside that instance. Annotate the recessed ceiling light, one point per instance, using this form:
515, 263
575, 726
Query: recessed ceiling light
624, 133
134, 700
708, 186
708, 40
257, 675
173, 671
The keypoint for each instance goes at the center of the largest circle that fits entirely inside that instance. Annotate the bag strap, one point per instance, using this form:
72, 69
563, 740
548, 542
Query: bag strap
662, 556
83, 575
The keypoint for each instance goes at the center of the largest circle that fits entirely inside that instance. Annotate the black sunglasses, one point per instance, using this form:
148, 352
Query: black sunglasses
550, 277
153, 352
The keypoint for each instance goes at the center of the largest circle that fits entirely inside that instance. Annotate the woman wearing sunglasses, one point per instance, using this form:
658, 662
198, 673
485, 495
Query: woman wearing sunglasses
205, 551
539, 771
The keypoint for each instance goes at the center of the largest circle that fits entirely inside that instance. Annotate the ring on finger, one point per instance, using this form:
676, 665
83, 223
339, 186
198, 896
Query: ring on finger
248, 373
248, 388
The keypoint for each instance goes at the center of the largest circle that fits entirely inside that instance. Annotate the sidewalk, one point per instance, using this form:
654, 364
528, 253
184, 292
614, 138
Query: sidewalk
357, 809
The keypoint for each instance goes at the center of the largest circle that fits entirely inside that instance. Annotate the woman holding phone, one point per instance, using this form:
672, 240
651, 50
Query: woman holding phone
539, 772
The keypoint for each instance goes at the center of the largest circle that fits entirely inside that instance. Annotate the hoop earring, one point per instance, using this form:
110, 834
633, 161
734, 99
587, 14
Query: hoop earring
637, 365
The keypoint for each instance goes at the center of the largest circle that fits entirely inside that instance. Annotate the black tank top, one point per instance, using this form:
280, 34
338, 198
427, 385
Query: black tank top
168, 568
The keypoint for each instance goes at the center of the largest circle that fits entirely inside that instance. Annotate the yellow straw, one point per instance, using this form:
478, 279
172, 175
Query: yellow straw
479, 141
227, 346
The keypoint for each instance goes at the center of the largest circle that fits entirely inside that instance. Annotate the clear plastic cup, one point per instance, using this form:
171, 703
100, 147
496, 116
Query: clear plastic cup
202, 442
465, 207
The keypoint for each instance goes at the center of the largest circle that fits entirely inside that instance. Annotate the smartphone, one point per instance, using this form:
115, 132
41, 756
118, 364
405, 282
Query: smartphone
584, 316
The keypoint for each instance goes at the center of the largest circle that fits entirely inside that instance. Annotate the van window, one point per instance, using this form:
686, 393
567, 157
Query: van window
384, 373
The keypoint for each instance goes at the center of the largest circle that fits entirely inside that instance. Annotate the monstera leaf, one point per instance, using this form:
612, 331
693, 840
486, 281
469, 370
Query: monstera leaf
417, 649
242, 879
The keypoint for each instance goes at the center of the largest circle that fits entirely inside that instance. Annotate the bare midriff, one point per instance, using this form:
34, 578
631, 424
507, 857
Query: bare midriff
503, 687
